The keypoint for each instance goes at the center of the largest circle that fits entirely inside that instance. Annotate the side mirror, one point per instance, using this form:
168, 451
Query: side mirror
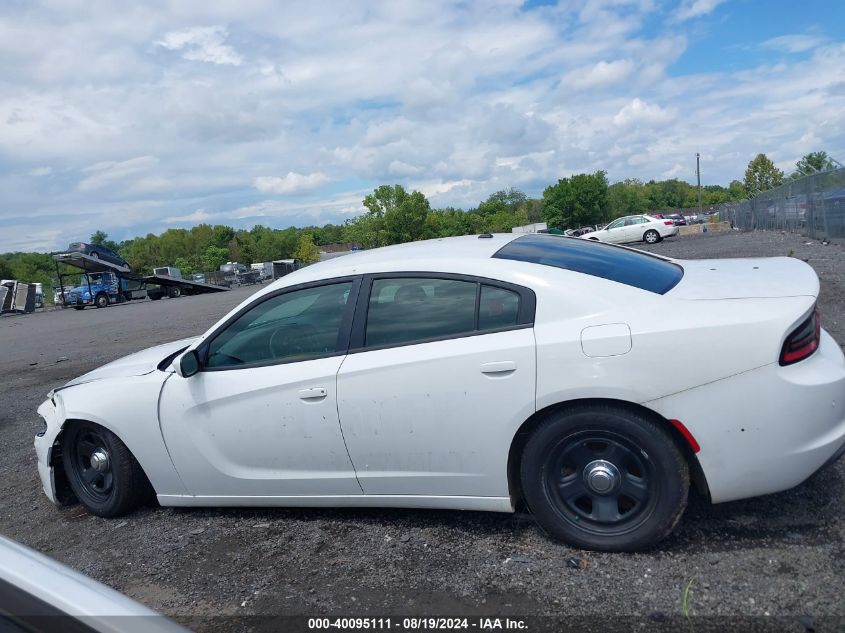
189, 364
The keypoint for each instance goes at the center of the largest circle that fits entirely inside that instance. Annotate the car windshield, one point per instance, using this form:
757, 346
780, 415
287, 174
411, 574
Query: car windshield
622, 265
92, 278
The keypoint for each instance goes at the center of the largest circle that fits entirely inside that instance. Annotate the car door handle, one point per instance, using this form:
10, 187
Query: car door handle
313, 393
499, 367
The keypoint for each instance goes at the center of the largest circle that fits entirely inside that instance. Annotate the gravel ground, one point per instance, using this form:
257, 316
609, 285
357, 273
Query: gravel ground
781, 555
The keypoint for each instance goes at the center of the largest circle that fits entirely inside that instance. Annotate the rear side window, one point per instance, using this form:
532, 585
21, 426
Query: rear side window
622, 265
413, 309
497, 308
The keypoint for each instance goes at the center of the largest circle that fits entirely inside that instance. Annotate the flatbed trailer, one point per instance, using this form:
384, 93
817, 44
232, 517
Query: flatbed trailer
177, 286
129, 285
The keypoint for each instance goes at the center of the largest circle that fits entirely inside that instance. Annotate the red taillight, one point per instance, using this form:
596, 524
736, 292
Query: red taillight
803, 341
668, 222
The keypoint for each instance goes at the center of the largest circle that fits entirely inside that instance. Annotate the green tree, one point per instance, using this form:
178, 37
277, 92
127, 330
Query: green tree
626, 198
761, 174
102, 238
394, 216
306, 251
187, 265
736, 190
576, 201
5, 269
509, 200
213, 256
813, 162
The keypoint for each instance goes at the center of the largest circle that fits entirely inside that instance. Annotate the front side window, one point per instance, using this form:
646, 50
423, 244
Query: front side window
292, 326
616, 224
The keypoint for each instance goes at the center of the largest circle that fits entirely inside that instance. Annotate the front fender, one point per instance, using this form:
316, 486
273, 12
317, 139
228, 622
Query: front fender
128, 407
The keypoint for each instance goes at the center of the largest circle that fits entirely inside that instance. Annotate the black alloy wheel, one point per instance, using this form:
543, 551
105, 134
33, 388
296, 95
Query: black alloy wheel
604, 477
92, 462
101, 471
601, 481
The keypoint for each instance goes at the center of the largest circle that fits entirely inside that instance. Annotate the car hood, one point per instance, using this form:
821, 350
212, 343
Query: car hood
746, 278
136, 364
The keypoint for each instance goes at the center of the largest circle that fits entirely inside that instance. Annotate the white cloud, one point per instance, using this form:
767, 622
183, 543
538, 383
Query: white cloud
200, 215
292, 183
106, 173
202, 43
797, 43
689, 9
601, 74
346, 204
40, 171
639, 112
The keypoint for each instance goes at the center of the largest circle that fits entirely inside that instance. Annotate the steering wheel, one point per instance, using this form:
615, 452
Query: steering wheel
229, 359
292, 340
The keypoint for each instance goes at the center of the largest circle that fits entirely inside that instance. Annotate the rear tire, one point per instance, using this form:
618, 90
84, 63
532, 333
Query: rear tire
174, 292
604, 478
651, 237
102, 472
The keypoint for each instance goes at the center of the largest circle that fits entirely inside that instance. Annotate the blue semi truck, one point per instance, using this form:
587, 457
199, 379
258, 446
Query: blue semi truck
103, 288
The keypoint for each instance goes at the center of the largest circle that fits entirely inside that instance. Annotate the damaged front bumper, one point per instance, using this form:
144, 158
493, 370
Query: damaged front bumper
45, 445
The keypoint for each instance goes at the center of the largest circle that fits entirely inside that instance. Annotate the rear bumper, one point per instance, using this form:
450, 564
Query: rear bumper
768, 429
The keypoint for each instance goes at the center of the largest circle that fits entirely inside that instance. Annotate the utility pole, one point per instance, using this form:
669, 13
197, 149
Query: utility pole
698, 175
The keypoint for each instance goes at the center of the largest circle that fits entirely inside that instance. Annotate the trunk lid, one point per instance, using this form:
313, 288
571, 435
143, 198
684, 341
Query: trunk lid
746, 278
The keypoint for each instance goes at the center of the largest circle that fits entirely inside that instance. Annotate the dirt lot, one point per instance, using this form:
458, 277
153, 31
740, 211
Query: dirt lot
781, 555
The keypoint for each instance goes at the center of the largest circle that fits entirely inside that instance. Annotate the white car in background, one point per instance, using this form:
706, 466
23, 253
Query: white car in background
589, 382
634, 228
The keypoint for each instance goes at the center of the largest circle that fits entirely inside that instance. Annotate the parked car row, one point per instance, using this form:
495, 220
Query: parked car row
677, 218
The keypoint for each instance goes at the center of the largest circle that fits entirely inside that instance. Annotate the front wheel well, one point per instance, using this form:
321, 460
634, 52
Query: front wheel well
64, 493
527, 428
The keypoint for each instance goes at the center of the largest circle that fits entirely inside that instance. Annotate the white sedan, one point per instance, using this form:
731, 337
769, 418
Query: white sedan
634, 228
588, 382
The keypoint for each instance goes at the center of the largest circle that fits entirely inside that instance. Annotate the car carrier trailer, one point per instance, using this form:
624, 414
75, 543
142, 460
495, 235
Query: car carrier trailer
104, 283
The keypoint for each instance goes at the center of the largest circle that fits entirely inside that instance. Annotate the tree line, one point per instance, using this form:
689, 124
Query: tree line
394, 215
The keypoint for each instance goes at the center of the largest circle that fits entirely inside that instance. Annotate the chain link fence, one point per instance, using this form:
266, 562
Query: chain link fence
813, 206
